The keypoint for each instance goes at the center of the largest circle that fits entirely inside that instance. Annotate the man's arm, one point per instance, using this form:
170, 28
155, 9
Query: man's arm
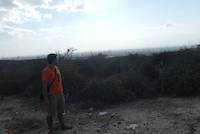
44, 91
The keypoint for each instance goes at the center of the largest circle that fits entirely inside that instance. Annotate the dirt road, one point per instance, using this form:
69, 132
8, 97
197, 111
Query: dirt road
155, 116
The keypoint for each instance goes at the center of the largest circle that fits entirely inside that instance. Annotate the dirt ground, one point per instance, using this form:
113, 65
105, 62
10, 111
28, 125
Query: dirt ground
150, 116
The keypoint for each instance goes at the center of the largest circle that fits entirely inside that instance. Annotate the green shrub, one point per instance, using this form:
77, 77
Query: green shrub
108, 91
110, 80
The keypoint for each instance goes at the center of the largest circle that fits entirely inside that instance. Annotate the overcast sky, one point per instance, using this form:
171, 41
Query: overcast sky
32, 27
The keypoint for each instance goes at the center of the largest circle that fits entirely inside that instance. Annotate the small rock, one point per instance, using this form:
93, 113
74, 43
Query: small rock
132, 127
113, 115
89, 114
98, 130
102, 113
16, 113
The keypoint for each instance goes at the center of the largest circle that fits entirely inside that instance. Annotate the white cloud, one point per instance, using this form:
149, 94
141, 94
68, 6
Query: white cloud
51, 30
48, 16
168, 25
13, 32
7, 4
64, 5
32, 3
20, 11
19, 15
165, 26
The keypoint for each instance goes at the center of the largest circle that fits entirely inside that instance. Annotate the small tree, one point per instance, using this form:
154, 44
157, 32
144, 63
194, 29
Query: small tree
69, 53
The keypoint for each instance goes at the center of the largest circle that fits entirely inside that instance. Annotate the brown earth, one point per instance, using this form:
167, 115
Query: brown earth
150, 116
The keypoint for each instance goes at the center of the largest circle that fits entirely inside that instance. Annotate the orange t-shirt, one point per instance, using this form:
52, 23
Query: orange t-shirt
51, 73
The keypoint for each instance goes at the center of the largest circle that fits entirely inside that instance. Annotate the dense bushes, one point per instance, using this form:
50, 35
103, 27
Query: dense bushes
179, 75
110, 80
17, 76
108, 91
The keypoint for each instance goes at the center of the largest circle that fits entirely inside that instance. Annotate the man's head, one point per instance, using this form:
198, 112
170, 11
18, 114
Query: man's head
52, 59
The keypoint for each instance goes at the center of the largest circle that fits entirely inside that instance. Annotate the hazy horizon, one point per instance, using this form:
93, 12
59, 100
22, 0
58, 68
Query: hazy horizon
36, 27
108, 53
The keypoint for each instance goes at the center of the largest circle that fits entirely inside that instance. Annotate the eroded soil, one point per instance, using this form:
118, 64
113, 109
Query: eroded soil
151, 116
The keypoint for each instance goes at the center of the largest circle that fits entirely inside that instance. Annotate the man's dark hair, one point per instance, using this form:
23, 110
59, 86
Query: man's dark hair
51, 57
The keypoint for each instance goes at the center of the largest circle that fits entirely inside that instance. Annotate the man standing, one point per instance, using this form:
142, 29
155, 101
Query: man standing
53, 93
